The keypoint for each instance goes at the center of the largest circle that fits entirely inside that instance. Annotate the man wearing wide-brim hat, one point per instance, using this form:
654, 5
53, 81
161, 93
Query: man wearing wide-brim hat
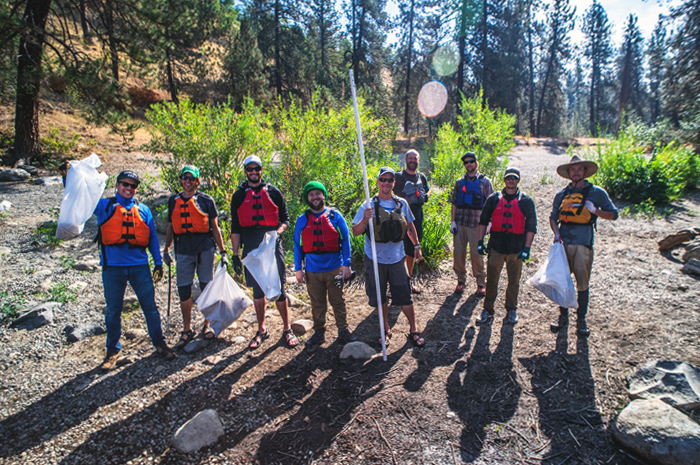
574, 214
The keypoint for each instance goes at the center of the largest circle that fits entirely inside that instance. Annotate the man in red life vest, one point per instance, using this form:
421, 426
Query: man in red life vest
513, 227
256, 208
126, 231
468, 197
193, 226
322, 252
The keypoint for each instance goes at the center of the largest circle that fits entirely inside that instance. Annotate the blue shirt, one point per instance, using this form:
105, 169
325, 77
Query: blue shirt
322, 262
123, 254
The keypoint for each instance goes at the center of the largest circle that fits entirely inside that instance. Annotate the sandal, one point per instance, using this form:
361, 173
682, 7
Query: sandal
290, 338
185, 338
481, 291
416, 339
415, 290
460, 288
258, 339
387, 335
208, 333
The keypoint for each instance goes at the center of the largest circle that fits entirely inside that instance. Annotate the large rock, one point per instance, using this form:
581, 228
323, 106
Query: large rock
36, 316
83, 331
294, 301
302, 326
692, 250
196, 345
692, 267
14, 175
5, 205
658, 432
202, 430
684, 235
87, 265
32, 170
357, 350
676, 383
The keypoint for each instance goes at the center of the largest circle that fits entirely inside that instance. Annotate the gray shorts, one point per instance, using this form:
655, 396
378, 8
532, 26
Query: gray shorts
395, 275
202, 263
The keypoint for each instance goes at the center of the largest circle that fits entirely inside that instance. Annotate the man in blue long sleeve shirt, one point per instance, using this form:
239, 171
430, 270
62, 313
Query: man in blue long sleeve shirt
322, 242
126, 230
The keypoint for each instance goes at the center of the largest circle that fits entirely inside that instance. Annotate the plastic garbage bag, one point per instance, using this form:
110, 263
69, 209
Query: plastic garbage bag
262, 264
553, 278
84, 187
222, 302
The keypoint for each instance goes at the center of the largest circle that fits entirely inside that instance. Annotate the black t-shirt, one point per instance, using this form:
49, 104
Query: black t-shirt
252, 236
505, 242
192, 244
401, 178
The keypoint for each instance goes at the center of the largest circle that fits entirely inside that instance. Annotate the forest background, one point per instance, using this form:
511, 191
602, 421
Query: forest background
215, 81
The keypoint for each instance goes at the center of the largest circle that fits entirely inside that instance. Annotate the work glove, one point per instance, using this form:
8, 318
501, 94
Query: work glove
167, 258
525, 254
157, 273
237, 265
590, 207
481, 248
453, 228
224, 260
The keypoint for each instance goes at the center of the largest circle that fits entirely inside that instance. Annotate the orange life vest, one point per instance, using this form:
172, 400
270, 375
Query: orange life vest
188, 218
258, 209
573, 207
319, 235
124, 226
507, 216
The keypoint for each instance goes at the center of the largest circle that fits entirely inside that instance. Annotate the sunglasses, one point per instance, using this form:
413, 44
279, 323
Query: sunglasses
253, 168
468, 162
187, 178
511, 178
128, 184
386, 180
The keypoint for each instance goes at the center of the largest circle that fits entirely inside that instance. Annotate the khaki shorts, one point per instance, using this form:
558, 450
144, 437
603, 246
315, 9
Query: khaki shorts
580, 260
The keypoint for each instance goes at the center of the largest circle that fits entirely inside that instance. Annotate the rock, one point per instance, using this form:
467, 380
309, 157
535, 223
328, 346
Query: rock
43, 272
357, 350
83, 331
5, 251
87, 265
684, 235
658, 432
676, 383
135, 334
36, 316
289, 280
5, 205
14, 175
302, 326
212, 360
692, 267
78, 285
130, 303
294, 302
45, 285
202, 430
196, 345
32, 170
238, 340
692, 250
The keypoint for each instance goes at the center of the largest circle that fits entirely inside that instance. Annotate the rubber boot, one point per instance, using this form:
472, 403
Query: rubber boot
562, 322
581, 326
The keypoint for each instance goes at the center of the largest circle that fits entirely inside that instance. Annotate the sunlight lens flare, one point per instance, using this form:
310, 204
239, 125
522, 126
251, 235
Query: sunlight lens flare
445, 60
432, 99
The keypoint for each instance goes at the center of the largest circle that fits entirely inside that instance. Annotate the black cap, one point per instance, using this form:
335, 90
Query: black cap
512, 172
469, 155
128, 174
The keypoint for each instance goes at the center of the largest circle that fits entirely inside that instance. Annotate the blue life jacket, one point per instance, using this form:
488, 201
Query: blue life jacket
469, 195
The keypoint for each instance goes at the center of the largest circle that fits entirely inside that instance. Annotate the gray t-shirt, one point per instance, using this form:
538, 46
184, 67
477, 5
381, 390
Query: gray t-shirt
388, 253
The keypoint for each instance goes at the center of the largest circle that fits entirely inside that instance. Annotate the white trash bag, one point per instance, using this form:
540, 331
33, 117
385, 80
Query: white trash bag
84, 187
554, 278
262, 264
222, 302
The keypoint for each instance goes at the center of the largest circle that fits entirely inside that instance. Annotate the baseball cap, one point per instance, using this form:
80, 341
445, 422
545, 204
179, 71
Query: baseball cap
512, 172
193, 170
385, 170
128, 174
252, 159
469, 155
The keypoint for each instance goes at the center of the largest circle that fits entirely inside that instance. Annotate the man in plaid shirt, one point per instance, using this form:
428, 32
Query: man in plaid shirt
468, 197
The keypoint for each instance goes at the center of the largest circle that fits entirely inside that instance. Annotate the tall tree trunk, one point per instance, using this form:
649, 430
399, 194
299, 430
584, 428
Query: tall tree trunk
624, 85
548, 72
84, 24
278, 41
31, 45
531, 68
409, 58
484, 50
322, 27
171, 78
112, 40
592, 102
461, 47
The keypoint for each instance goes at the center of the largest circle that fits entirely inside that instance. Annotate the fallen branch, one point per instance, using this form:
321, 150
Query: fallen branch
385, 441
572, 435
567, 458
515, 431
550, 388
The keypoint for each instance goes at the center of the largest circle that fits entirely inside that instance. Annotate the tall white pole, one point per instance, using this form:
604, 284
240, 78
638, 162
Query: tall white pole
380, 307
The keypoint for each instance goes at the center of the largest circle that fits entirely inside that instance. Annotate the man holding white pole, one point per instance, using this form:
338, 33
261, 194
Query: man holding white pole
392, 221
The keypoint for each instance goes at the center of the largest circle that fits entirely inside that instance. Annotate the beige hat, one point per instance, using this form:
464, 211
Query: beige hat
591, 167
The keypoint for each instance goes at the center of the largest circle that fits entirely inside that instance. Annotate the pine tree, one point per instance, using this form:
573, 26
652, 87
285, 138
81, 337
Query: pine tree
684, 78
244, 68
598, 51
658, 63
632, 97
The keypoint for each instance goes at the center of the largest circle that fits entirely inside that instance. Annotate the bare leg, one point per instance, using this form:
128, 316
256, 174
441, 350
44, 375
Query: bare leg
385, 316
259, 305
186, 308
409, 265
284, 313
410, 316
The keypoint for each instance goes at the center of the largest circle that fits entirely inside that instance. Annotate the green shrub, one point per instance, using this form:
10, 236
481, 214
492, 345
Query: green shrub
60, 292
10, 304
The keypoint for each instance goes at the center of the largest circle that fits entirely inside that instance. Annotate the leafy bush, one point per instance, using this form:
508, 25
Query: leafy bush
10, 304
487, 133
60, 292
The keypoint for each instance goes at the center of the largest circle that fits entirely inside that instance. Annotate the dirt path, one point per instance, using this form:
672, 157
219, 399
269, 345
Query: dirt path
473, 395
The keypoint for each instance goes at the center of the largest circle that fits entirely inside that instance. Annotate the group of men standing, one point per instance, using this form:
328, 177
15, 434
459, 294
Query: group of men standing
322, 245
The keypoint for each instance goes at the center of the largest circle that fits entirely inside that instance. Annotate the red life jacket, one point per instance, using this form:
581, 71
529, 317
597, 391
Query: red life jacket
188, 218
124, 226
319, 235
507, 216
258, 209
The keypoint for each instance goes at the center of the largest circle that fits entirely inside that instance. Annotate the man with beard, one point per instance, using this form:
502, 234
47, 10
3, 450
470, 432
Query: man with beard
468, 197
412, 186
574, 214
256, 208
322, 244
392, 221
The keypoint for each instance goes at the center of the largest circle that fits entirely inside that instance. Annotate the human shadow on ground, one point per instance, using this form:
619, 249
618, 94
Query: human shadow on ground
568, 414
483, 390
268, 400
446, 339
78, 399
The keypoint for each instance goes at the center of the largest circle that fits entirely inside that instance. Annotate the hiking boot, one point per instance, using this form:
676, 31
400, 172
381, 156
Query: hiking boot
511, 318
562, 322
485, 319
346, 336
582, 328
166, 352
315, 341
110, 360
481, 291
